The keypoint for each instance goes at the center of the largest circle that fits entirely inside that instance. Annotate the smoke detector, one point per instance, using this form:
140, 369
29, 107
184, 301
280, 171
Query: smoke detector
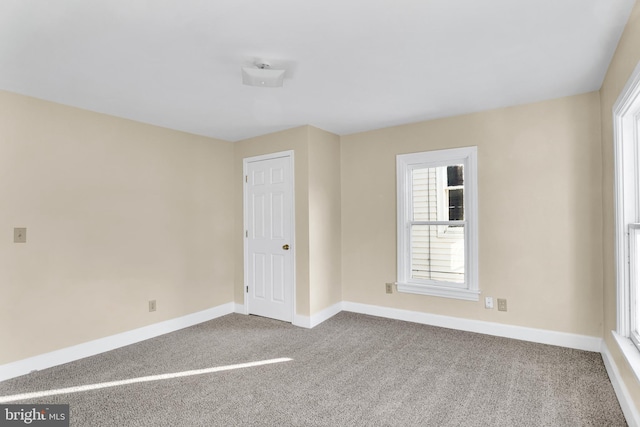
262, 75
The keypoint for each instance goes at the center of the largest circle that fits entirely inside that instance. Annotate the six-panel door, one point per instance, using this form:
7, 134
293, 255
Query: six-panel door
269, 229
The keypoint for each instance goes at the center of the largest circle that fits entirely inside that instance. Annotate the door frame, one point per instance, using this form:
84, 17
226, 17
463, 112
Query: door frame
245, 224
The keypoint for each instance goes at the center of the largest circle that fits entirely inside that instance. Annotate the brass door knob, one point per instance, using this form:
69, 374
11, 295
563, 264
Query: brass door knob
285, 247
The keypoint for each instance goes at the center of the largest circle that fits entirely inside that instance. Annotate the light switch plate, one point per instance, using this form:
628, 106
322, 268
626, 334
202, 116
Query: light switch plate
20, 235
488, 302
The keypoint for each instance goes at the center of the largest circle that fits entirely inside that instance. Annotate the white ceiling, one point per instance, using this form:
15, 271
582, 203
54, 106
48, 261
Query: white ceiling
352, 65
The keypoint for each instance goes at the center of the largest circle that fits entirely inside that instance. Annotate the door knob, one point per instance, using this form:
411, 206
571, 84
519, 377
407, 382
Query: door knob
285, 247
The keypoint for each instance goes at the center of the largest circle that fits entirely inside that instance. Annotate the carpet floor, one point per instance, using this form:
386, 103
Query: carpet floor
352, 370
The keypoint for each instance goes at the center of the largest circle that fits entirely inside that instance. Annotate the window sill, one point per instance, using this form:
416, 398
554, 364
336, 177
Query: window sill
630, 352
439, 291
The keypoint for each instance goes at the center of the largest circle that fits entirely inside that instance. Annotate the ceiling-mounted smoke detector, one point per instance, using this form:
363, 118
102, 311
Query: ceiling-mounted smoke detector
262, 75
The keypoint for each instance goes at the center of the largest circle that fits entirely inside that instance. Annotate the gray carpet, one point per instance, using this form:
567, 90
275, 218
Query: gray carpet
352, 370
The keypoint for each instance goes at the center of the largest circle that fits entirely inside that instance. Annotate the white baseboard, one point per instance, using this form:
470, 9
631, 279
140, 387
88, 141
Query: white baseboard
69, 354
240, 308
627, 404
301, 321
542, 336
298, 320
326, 314
314, 320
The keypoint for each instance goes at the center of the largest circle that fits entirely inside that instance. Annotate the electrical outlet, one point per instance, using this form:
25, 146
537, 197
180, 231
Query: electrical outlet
488, 302
20, 235
389, 287
152, 305
502, 304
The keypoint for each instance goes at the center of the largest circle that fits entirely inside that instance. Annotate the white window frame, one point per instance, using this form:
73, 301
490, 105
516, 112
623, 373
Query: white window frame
626, 138
405, 163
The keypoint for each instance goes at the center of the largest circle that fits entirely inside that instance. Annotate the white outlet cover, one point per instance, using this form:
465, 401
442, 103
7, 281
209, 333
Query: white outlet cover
488, 302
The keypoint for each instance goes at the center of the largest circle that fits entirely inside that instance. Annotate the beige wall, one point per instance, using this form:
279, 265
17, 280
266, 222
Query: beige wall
624, 61
540, 213
118, 213
324, 220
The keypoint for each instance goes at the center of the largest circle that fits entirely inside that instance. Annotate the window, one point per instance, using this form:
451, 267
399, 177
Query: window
626, 113
437, 223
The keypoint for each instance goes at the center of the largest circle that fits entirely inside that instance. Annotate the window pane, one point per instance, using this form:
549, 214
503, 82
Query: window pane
425, 199
455, 176
438, 193
456, 204
437, 253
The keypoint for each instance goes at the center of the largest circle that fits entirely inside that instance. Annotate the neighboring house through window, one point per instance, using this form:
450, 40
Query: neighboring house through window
437, 223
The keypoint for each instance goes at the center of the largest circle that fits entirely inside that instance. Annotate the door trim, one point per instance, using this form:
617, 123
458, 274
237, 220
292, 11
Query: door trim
245, 223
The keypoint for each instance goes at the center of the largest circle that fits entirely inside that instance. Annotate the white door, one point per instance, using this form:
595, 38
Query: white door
269, 266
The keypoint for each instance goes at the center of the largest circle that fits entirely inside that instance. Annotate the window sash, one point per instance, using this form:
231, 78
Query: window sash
453, 222
443, 187
442, 255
